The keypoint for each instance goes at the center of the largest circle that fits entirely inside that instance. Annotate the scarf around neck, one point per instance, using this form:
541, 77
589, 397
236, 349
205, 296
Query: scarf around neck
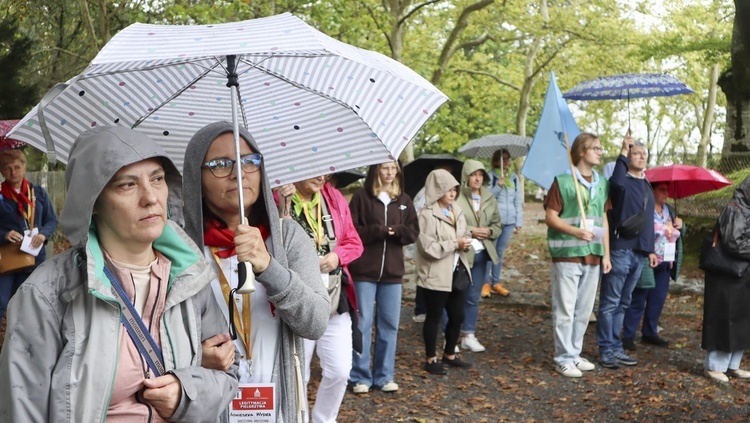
590, 185
217, 235
24, 199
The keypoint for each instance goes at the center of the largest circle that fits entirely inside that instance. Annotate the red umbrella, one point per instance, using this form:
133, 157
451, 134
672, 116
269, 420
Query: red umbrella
8, 143
686, 180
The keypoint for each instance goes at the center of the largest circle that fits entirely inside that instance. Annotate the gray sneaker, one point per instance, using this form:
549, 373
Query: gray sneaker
625, 359
608, 360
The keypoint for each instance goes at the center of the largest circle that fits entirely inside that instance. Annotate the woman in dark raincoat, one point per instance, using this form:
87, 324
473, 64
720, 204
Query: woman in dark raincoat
726, 309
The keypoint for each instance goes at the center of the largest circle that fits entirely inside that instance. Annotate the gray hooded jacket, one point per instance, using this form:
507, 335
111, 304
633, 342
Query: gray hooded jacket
292, 279
60, 355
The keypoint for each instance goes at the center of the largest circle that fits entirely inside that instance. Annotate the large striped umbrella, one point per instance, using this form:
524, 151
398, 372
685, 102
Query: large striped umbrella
314, 104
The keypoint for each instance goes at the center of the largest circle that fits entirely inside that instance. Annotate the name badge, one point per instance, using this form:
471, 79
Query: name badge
670, 251
253, 402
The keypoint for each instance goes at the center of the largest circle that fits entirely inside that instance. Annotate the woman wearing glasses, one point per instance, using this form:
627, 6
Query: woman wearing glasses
324, 214
290, 301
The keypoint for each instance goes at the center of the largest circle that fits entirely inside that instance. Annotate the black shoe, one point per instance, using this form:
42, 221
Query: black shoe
435, 367
654, 340
628, 344
456, 362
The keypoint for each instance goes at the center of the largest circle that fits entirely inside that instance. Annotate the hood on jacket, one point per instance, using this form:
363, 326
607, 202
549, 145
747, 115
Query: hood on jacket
471, 166
95, 157
192, 187
438, 183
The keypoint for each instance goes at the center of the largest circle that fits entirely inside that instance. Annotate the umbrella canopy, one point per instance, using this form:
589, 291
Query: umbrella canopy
484, 147
686, 180
415, 172
314, 104
626, 86
5, 142
346, 178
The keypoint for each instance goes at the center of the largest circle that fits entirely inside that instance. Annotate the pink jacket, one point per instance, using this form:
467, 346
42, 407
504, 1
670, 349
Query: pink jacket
349, 245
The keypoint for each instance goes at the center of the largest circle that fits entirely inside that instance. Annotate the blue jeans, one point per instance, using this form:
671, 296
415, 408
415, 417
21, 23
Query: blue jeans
471, 307
614, 298
647, 303
387, 298
9, 284
720, 361
501, 243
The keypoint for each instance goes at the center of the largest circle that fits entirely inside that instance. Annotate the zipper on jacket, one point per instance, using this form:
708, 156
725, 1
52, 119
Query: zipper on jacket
385, 242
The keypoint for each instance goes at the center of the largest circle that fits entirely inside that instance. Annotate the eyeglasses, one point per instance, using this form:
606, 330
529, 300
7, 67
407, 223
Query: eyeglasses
221, 168
639, 153
597, 149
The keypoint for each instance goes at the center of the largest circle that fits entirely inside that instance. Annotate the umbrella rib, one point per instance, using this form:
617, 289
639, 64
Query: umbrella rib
176, 94
295, 84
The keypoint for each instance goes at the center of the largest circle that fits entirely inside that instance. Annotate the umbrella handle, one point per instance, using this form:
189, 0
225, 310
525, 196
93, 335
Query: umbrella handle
245, 279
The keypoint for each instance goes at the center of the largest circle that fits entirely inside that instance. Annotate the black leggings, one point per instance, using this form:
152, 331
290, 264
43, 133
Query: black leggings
437, 301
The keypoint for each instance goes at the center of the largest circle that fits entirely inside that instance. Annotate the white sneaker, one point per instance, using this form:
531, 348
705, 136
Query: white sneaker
471, 343
419, 318
584, 365
568, 370
390, 387
361, 388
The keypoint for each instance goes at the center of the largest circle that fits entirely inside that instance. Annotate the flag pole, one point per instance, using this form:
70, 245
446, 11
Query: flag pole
575, 183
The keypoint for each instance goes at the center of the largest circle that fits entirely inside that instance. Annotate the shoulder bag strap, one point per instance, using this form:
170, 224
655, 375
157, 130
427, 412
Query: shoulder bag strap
137, 330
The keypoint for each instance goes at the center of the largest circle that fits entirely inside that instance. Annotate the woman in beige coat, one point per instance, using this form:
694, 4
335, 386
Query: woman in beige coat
441, 250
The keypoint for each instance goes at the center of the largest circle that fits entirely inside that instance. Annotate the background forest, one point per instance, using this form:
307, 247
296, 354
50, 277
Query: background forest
491, 57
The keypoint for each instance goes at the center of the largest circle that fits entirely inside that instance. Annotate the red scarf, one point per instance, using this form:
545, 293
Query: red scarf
23, 199
217, 235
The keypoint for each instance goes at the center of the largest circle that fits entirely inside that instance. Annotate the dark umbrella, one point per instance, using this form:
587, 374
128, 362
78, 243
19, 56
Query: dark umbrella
346, 178
5, 142
627, 86
415, 173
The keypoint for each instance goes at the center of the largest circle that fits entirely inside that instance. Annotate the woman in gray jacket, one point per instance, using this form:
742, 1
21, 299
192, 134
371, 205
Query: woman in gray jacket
67, 356
290, 301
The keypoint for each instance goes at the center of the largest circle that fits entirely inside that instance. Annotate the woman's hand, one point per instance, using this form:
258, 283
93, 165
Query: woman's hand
163, 393
13, 236
218, 352
677, 223
464, 243
251, 247
480, 233
38, 240
285, 193
329, 262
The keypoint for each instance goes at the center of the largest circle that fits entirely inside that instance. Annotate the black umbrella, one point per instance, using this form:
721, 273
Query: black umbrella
345, 178
415, 173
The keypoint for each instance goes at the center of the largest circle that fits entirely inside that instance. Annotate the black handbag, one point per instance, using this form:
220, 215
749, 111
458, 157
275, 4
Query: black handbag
461, 278
632, 227
715, 260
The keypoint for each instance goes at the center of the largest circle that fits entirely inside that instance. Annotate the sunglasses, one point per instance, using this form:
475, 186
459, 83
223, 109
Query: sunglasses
221, 168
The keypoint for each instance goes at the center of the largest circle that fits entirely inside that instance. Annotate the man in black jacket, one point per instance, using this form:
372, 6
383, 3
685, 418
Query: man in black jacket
631, 195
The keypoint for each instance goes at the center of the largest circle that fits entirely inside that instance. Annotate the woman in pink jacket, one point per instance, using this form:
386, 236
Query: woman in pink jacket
324, 214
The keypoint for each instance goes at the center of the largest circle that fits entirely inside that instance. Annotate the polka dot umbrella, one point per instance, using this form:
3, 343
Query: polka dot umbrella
315, 105
7, 143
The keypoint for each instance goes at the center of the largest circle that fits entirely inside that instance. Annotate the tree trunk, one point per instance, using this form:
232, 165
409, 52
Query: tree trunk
708, 117
735, 83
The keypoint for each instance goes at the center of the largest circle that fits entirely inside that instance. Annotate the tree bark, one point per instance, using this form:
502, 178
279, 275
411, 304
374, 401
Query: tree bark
708, 117
735, 83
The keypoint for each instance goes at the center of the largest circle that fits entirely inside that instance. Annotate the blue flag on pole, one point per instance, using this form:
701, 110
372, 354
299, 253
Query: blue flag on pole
548, 156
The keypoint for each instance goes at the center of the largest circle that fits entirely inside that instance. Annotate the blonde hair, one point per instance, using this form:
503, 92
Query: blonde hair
582, 143
373, 176
9, 156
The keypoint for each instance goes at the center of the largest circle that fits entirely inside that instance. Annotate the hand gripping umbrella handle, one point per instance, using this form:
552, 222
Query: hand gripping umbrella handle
245, 279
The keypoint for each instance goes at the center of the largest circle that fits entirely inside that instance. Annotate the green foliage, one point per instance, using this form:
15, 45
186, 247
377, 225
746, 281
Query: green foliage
17, 94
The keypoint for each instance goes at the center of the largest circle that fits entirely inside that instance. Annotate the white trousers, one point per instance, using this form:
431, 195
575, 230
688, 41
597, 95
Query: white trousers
573, 294
334, 350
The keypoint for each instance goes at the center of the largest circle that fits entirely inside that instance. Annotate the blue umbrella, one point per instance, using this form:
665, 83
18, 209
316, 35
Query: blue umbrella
627, 86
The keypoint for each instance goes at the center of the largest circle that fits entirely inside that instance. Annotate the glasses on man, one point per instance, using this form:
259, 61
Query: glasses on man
221, 168
639, 153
